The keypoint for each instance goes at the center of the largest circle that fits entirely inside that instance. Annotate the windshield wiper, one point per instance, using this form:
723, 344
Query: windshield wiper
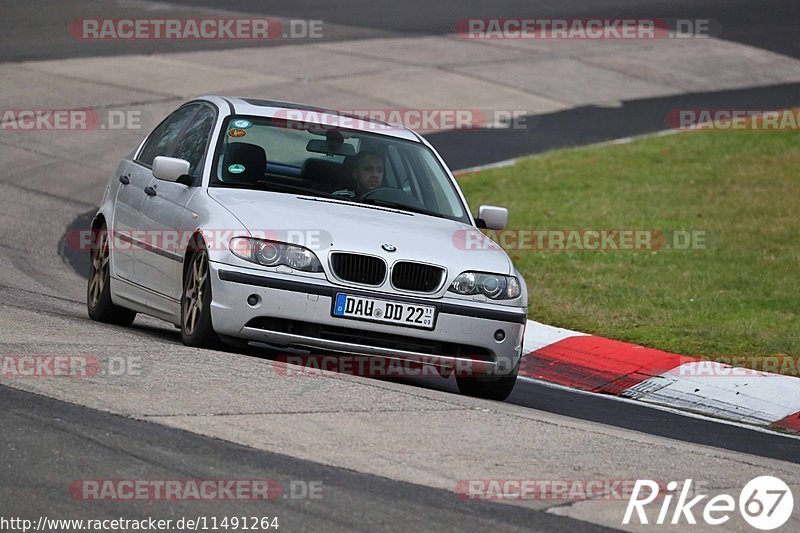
281, 187
403, 207
265, 185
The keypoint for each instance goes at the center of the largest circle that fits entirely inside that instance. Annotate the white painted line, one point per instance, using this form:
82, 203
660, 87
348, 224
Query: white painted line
489, 166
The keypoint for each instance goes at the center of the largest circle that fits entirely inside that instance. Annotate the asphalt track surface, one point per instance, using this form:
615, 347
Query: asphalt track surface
45, 441
594, 408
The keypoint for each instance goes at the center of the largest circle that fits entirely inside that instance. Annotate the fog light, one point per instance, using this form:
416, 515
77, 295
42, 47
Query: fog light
499, 335
253, 300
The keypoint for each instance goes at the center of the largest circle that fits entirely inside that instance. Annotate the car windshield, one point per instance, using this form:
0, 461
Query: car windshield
349, 165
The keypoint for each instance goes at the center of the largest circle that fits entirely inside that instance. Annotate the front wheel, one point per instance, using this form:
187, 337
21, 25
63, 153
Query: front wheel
487, 388
98, 288
196, 327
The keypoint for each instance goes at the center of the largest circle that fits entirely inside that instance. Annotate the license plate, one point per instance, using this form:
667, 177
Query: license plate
375, 310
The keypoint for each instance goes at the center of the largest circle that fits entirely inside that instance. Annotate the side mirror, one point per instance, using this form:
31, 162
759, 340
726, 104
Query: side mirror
172, 169
492, 217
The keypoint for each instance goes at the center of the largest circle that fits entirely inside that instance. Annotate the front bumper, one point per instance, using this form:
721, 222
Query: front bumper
296, 312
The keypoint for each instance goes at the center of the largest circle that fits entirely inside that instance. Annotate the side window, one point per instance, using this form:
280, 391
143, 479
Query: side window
163, 137
192, 145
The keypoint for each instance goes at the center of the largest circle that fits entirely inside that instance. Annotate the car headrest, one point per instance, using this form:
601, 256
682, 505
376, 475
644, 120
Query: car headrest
244, 162
325, 175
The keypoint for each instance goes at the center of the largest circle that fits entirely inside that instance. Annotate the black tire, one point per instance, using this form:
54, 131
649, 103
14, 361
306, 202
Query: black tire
487, 388
233, 343
196, 327
98, 286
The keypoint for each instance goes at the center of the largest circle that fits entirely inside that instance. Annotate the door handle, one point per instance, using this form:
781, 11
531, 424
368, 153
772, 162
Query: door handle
124, 179
150, 191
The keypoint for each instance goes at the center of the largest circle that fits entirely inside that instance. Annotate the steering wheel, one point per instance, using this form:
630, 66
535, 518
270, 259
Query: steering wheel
397, 197
368, 194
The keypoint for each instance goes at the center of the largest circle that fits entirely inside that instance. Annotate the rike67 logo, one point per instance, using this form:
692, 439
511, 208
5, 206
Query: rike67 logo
765, 503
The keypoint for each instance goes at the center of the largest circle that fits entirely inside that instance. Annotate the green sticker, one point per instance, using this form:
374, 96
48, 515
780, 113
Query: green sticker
241, 123
236, 169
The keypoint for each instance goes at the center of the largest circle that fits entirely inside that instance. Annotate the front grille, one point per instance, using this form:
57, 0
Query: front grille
416, 276
358, 268
371, 338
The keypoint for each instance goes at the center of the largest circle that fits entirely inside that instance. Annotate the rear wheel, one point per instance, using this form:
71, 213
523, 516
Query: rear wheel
98, 288
488, 388
196, 327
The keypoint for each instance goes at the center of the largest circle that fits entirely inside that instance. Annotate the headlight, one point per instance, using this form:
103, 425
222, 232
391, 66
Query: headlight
271, 253
494, 286
300, 258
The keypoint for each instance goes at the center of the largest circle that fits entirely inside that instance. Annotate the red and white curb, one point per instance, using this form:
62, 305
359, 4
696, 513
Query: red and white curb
605, 366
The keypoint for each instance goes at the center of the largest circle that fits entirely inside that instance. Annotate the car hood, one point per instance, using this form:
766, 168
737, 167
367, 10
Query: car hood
325, 225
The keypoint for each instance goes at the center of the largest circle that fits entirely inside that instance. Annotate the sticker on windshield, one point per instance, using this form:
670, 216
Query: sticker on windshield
236, 169
237, 133
241, 123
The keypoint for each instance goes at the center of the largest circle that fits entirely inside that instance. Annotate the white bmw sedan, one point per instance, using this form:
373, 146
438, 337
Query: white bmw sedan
244, 220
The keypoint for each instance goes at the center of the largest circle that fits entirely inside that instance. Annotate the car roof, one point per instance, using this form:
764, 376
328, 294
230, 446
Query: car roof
310, 114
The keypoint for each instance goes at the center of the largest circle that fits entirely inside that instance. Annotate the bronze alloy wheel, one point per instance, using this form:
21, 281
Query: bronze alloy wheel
196, 327
98, 288
195, 292
99, 270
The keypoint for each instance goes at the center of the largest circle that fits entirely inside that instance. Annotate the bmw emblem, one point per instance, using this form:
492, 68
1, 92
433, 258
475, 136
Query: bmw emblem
389, 247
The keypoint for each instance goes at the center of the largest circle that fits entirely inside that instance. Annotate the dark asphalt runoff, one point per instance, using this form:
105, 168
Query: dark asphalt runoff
41, 33
36, 30
591, 124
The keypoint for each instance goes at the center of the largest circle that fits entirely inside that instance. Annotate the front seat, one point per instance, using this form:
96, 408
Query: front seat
325, 175
244, 163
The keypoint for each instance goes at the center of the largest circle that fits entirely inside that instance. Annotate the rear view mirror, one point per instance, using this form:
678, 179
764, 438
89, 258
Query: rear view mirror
324, 147
170, 168
492, 217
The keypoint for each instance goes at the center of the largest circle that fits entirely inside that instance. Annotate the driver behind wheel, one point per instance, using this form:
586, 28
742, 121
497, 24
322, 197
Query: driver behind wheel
367, 175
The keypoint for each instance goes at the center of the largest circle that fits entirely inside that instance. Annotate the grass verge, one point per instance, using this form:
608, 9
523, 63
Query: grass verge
735, 291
